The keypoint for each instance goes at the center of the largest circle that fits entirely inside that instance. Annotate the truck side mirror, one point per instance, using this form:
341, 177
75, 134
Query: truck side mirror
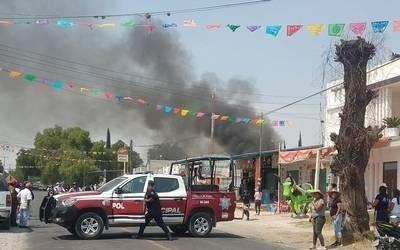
118, 190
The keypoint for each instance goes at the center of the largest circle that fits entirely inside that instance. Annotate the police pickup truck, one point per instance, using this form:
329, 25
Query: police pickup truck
193, 200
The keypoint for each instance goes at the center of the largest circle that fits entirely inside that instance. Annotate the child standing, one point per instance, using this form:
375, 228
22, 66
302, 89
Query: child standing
246, 205
257, 199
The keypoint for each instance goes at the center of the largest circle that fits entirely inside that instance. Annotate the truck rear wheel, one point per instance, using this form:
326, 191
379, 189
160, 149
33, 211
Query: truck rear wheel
200, 224
179, 229
89, 226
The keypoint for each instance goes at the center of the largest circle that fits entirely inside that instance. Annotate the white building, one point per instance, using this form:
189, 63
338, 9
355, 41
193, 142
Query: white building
384, 161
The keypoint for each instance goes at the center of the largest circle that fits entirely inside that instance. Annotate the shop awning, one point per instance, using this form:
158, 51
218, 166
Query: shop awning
288, 157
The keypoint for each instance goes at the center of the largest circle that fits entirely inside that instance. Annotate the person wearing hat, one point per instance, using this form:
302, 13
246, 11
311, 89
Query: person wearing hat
336, 212
25, 197
153, 211
381, 204
318, 218
12, 186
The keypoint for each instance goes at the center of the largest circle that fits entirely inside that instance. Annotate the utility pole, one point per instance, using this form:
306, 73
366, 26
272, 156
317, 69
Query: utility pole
212, 120
261, 134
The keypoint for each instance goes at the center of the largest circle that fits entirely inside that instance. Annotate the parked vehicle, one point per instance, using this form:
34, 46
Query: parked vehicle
194, 201
388, 236
5, 204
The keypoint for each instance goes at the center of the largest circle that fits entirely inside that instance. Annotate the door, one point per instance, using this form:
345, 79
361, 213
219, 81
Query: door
128, 205
390, 176
172, 196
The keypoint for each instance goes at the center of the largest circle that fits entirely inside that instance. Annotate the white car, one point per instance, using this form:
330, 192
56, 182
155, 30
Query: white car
5, 203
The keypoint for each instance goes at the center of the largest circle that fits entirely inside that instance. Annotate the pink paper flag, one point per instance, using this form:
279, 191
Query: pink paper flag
358, 28
176, 110
215, 116
213, 25
200, 114
149, 26
396, 26
159, 107
291, 29
108, 96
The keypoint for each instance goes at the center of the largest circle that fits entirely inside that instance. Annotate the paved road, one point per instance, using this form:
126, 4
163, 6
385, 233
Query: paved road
48, 236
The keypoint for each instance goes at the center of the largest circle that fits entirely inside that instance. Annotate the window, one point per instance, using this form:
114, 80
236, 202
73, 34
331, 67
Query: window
111, 184
165, 185
3, 184
134, 186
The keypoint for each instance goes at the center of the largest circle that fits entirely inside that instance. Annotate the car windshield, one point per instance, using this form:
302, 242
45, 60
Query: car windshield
111, 184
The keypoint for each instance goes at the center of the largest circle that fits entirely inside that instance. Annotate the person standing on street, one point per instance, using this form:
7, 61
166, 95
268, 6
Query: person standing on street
335, 210
318, 218
25, 197
381, 205
257, 200
153, 211
14, 202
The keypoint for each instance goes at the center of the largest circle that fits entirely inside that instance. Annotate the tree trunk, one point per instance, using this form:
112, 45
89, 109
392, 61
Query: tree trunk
354, 141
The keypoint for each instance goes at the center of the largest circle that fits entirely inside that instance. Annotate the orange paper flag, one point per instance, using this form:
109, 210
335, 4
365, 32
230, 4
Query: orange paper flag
15, 74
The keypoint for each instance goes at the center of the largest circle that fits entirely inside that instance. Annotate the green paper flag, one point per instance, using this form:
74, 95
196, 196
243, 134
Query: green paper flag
336, 29
233, 27
129, 24
29, 77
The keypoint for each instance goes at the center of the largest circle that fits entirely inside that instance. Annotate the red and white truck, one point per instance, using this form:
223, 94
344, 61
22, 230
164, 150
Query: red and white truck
196, 195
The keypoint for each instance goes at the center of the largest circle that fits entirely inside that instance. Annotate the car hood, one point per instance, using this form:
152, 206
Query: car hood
65, 196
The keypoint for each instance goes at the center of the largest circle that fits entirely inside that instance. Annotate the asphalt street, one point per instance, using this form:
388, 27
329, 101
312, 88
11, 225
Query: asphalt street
49, 236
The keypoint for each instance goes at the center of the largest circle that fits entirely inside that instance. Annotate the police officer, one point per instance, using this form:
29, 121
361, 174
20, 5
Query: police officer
153, 211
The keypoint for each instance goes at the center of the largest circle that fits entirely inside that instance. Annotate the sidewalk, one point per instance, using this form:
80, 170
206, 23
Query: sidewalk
281, 229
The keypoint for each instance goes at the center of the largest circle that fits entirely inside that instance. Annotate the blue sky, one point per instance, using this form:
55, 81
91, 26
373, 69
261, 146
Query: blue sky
278, 66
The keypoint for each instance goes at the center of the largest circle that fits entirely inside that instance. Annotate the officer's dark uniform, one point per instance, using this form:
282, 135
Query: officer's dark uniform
153, 212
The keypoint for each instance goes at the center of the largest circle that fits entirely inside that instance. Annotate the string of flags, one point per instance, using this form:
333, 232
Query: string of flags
332, 29
184, 112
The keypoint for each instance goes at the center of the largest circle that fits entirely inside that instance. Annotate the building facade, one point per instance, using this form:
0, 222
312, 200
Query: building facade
384, 162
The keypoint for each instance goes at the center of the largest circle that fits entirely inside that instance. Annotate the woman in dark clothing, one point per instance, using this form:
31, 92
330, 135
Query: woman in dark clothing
14, 203
381, 205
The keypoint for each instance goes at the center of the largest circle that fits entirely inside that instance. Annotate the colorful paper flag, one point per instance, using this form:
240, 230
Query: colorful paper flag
224, 117
260, 121
63, 23
358, 28
128, 98
108, 96
141, 101
184, 112
14, 74
95, 92
396, 26
107, 25
336, 29
238, 120
167, 109
86, 90
189, 24
159, 107
149, 27
274, 123
119, 98
176, 110
233, 27
213, 25
215, 116
57, 84
169, 25
5, 23
42, 21
293, 28
88, 25
253, 28
29, 77
315, 28
128, 24
200, 114
273, 30
246, 120
379, 26
281, 123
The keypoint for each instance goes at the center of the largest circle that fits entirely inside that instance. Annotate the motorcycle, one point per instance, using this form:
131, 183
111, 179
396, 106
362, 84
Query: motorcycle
388, 236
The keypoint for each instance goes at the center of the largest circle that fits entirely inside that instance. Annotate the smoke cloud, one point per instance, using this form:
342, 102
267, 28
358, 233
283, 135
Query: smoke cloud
170, 79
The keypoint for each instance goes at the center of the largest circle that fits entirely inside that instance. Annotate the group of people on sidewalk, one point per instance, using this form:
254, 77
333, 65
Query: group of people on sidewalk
318, 219
21, 200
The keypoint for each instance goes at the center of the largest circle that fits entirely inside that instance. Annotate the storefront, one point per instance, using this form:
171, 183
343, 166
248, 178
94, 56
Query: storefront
254, 174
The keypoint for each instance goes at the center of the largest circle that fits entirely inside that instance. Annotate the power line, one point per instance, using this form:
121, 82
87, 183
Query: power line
18, 51
146, 14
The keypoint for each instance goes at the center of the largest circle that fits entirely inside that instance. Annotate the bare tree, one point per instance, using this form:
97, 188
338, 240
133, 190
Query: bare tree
354, 141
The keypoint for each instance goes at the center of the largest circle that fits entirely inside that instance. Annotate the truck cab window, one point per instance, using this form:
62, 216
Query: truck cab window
165, 185
134, 186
